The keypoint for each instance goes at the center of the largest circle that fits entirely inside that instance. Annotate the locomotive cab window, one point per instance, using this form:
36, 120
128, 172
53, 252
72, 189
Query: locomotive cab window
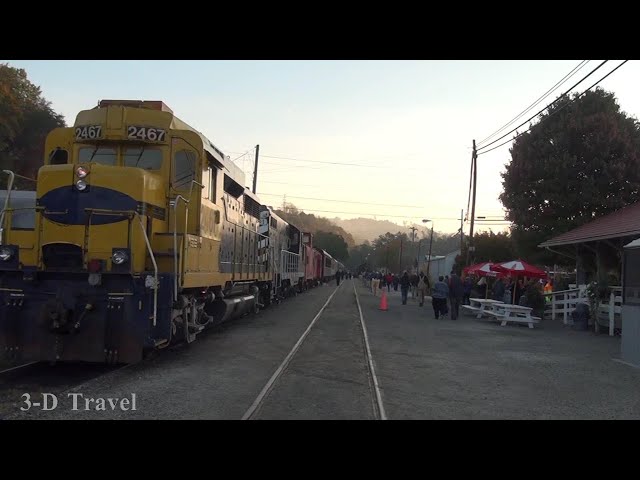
141, 157
184, 169
102, 155
58, 156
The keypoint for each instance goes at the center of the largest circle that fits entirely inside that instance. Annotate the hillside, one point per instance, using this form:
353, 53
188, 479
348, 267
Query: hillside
311, 223
369, 229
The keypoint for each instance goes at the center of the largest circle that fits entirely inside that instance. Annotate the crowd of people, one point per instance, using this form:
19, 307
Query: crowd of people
449, 292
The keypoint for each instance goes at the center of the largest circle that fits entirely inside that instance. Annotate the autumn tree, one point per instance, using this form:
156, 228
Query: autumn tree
25, 120
579, 162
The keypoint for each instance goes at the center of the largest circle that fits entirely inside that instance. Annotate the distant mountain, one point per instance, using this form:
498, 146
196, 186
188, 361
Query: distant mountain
368, 229
314, 224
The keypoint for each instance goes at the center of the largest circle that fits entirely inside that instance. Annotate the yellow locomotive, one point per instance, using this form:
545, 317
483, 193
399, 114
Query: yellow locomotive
140, 232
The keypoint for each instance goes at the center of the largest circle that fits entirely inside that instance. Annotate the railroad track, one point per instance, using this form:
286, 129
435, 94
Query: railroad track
378, 405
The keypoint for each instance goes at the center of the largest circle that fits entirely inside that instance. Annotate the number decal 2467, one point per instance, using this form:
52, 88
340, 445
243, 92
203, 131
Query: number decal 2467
88, 132
146, 133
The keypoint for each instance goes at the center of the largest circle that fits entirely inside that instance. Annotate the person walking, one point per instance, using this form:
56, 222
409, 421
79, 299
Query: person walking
338, 277
423, 285
405, 283
456, 293
439, 298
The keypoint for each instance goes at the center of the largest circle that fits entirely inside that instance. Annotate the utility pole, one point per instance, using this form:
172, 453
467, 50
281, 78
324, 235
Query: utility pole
413, 239
471, 251
430, 245
255, 169
461, 230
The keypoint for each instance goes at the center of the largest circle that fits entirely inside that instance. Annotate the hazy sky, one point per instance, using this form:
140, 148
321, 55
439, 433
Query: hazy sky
412, 122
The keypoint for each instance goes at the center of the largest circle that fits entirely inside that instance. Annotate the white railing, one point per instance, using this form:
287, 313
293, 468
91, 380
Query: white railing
564, 302
607, 311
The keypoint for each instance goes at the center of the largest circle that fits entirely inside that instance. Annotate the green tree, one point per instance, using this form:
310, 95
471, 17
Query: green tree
580, 161
334, 244
25, 120
490, 247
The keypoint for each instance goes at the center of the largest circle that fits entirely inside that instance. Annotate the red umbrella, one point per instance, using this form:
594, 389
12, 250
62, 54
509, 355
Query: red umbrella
483, 269
520, 268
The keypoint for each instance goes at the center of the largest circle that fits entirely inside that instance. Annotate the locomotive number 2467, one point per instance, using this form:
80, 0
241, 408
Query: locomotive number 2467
146, 133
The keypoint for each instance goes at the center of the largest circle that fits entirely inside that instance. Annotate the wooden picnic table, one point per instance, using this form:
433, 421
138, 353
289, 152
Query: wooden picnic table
481, 306
513, 313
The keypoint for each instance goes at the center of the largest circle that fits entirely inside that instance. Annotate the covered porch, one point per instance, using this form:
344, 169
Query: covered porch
596, 249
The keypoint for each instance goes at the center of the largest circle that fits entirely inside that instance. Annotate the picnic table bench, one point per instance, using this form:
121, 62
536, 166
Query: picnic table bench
513, 313
481, 306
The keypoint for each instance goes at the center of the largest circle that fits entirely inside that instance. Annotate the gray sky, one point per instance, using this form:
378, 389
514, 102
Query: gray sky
410, 122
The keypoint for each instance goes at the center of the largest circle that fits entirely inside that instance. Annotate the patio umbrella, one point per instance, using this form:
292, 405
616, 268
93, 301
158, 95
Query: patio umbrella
519, 268
483, 270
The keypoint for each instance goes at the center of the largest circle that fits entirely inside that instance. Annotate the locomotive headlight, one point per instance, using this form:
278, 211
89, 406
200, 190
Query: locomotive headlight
5, 254
81, 172
81, 185
119, 257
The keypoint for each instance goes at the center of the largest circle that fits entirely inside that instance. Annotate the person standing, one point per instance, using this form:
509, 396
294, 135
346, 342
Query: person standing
456, 293
439, 297
405, 283
467, 285
338, 277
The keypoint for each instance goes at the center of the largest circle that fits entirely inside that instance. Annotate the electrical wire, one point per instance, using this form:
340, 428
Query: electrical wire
545, 108
556, 111
575, 70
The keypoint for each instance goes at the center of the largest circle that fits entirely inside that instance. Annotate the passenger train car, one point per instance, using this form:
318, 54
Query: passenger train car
140, 234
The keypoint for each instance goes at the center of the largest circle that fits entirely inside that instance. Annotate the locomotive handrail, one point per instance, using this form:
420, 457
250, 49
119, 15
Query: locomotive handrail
131, 214
155, 269
174, 204
12, 177
106, 212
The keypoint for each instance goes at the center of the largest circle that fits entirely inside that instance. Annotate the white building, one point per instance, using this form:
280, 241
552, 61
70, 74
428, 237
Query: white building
438, 264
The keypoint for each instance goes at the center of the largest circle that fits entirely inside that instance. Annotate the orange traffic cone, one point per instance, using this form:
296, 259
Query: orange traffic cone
383, 302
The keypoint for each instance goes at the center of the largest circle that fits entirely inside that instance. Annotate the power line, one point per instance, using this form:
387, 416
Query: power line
304, 210
489, 218
558, 110
344, 201
544, 95
545, 108
330, 163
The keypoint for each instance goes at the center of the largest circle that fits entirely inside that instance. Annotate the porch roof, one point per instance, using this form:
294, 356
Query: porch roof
619, 224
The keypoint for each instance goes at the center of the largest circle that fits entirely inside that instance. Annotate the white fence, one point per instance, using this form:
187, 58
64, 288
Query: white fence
564, 302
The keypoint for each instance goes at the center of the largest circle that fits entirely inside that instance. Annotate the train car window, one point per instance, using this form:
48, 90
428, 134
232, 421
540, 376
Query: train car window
140, 157
102, 155
184, 169
58, 156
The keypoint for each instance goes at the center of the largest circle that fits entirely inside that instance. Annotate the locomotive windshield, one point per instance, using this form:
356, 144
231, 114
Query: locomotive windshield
102, 155
138, 156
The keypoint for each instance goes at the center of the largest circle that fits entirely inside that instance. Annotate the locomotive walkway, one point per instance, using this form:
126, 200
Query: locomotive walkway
426, 368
